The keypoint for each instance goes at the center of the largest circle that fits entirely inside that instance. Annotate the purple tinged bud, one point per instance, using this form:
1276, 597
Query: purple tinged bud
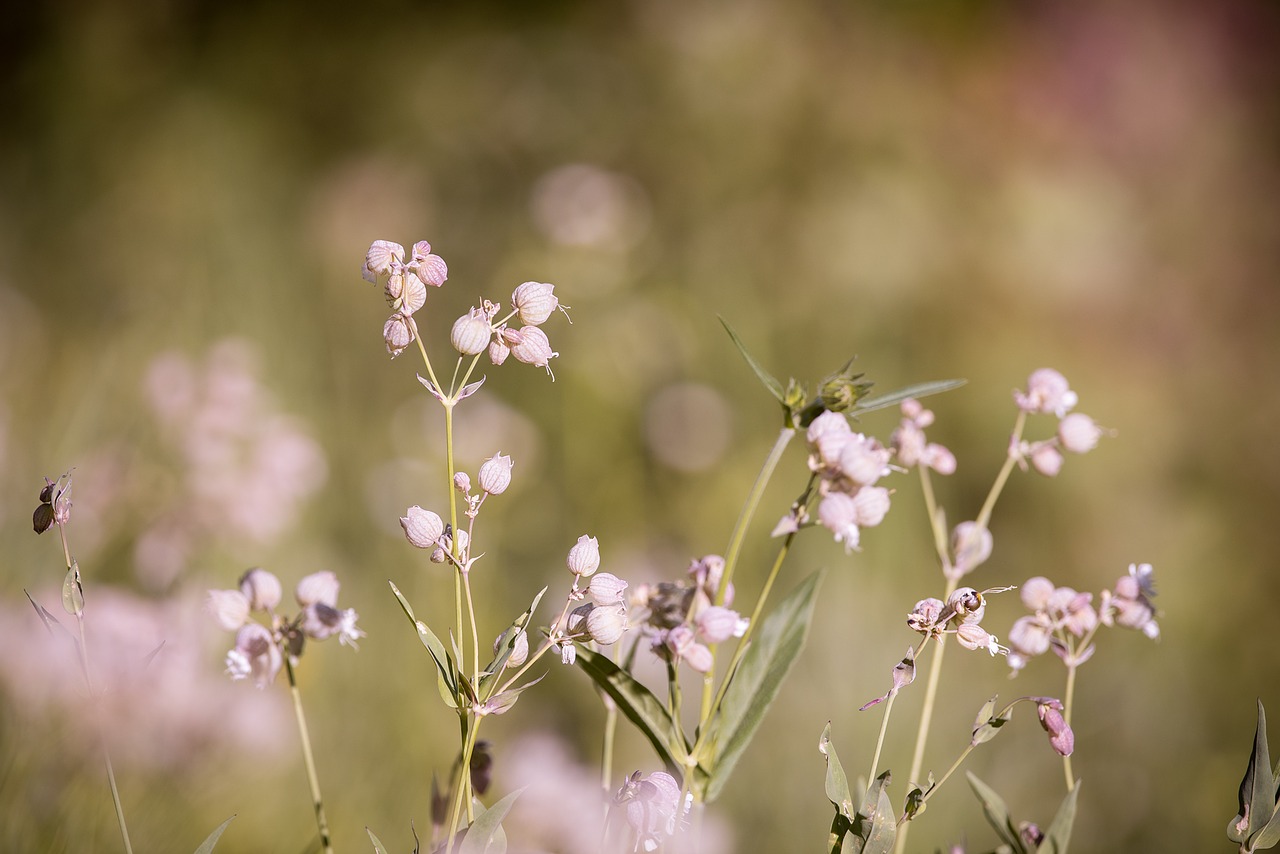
319, 620
1061, 738
430, 268
584, 557
519, 651
531, 347
838, 513
1047, 392
382, 257
973, 636
318, 587
870, 505
967, 604
255, 655
229, 608
924, 615
396, 334
498, 350
1030, 636
471, 333
261, 589
1078, 433
413, 297
439, 555
42, 519
534, 301
422, 527
940, 459
495, 474
461, 482
606, 589
1046, 459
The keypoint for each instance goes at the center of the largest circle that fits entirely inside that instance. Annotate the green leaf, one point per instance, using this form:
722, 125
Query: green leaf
756, 682
378, 847
1058, 836
893, 398
997, 813
485, 835
874, 826
1268, 836
448, 677
507, 642
987, 725
1257, 789
770, 382
206, 847
639, 705
837, 782
73, 591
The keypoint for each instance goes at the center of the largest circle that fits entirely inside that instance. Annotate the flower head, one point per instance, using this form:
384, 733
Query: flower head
256, 655
1047, 392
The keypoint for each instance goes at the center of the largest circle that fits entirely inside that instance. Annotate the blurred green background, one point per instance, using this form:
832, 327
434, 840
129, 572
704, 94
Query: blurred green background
969, 189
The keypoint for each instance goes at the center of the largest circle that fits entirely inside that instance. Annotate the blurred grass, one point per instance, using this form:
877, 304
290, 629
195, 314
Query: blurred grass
945, 189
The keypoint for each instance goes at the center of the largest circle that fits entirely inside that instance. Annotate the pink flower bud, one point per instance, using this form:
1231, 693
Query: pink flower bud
870, 504
382, 257
1047, 392
229, 608
462, 482
1036, 593
519, 651
261, 588
970, 546
255, 655
495, 474
838, 513
471, 333
940, 459
498, 350
606, 589
1046, 459
973, 636
584, 557
319, 587
1078, 434
1061, 738
717, 625
422, 527
430, 268
396, 334
534, 302
1031, 635
532, 347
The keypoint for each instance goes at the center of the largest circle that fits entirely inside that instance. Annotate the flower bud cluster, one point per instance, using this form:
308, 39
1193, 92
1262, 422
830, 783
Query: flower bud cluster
680, 620
910, 446
1048, 393
55, 504
259, 649
405, 286
961, 615
603, 618
848, 465
1065, 621
480, 330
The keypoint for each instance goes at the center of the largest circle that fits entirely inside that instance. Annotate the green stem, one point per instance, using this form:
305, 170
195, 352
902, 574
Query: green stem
475, 634
964, 754
1067, 703
322, 824
463, 790
1010, 460
884, 727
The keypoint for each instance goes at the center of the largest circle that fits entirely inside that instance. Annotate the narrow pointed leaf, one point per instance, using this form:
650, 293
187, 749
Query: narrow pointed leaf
770, 382
987, 725
893, 398
997, 813
378, 847
507, 642
756, 682
444, 665
501, 703
639, 705
1257, 789
211, 840
1058, 836
837, 782
46, 617
485, 835
1268, 836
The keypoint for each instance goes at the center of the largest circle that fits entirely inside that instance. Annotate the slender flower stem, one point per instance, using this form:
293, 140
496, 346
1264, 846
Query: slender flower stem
1010, 460
85, 670
322, 824
475, 635
1066, 716
884, 727
606, 757
463, 790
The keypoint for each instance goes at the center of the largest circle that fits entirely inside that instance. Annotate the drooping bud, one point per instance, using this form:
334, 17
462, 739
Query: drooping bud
531, 347
229, 608
462, 482
971, 545
1061, 738
498, 350
1046, 459
495, 474
717, 625
422, 527
606, 623
1078, 433
606, 589
397, 334
534, 302
382, 257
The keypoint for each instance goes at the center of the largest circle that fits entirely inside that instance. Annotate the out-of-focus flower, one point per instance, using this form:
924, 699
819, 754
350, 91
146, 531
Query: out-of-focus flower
652, 806
1047, 392
318, 587
838, 513
911, 446
229, 608
716, 624
1078, 433
971, 545
1129, 606
1058, 612
1046, 459
256, 654
606, 589
320, 621
495, 474
261, 588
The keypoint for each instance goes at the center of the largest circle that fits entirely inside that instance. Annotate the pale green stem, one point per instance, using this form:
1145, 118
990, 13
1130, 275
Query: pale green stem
610, 730
463, 790
475, 634
884, 727
322, 824
1010, 460
1066, 715
97, 720
964, 754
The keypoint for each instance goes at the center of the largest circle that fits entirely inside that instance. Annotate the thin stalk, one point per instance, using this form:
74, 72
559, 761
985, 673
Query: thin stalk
606, 756
322, 824
475, 635
884, 727
964, 754
97, 719
464, 783
1066, 716
1011, 459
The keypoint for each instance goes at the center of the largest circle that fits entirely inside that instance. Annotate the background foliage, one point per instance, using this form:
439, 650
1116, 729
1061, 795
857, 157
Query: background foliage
945, 189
